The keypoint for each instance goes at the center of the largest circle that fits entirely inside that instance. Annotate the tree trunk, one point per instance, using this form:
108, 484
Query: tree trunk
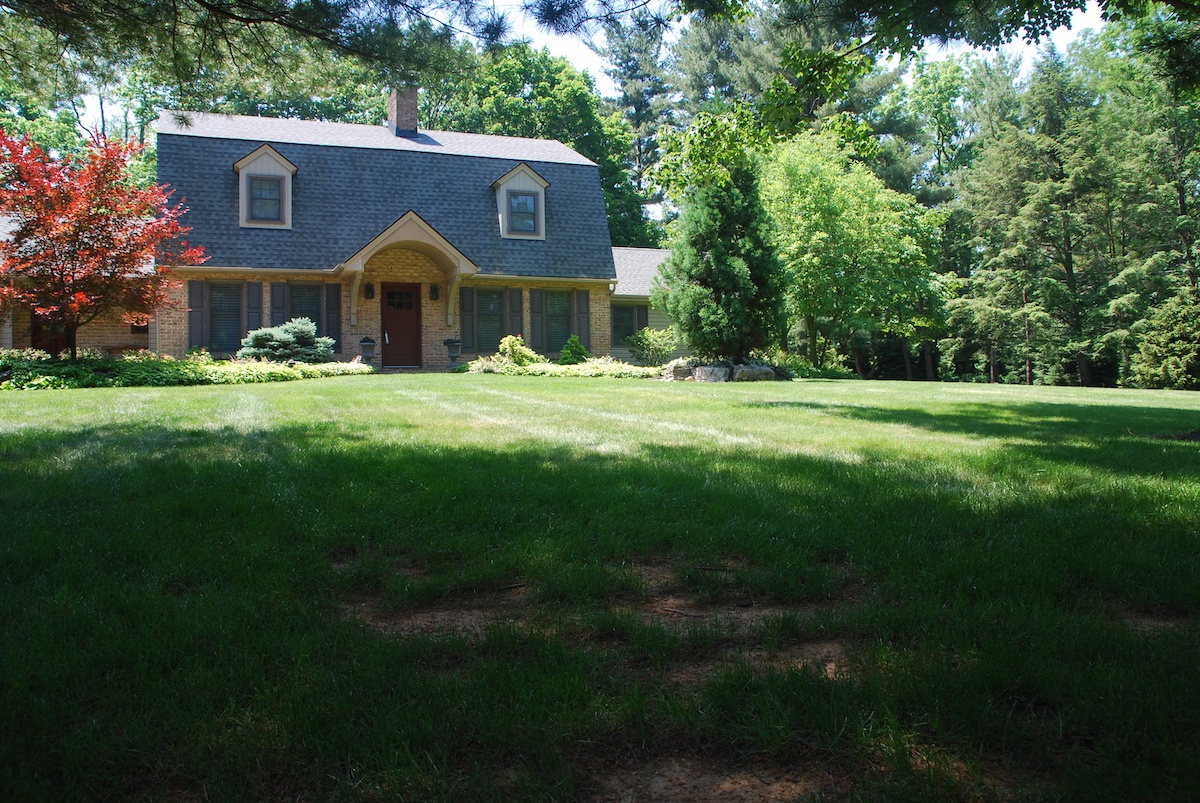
72, 334
859, 366
1028, 339
993, 366
908, 366
1085, 369
810, 323
930, 368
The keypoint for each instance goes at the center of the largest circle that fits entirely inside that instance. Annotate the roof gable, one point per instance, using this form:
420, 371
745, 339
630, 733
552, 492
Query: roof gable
519, 170
268, 151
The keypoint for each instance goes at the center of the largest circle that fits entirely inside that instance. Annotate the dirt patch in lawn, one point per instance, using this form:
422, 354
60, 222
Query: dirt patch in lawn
1151, 622
660, 602
470, 618
675, 779
826, 658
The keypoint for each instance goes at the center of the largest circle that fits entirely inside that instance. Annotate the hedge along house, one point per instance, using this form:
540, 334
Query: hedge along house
384, 233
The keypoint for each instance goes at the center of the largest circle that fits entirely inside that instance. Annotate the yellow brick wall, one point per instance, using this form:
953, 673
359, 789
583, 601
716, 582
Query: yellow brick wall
108, 334
401, 266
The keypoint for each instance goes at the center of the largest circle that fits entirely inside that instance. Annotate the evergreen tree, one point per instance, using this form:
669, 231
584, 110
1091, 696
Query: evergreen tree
722, 285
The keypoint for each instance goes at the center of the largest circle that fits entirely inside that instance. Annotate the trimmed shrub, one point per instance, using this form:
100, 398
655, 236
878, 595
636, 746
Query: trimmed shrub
294, 341
514, 350
652, 346
573, 352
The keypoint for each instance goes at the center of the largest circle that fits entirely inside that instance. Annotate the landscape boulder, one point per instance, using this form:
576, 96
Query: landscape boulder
753, 373
710, 373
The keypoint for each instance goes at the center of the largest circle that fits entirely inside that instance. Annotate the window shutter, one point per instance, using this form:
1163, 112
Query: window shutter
279, 303
333, 315
466, 318
253, 306
537, 320
643, 318
582, 320
197, 314
516, 314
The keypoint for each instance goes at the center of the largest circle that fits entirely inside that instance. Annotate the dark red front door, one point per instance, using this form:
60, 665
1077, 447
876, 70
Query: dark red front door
401, 310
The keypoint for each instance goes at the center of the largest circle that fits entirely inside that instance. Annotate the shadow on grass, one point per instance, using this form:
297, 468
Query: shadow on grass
170, 609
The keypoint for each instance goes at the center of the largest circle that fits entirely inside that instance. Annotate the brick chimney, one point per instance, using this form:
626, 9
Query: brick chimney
402, 111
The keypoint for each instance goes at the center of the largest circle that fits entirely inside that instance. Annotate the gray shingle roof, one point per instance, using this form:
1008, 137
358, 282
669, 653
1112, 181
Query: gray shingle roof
636, 269
350, 135
343, 197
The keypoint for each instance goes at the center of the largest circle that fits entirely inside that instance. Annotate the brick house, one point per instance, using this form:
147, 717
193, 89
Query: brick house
383, 233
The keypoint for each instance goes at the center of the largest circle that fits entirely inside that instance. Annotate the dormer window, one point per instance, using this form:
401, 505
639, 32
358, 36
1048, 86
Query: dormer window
265, 189
266, 200
521, 203
522, 212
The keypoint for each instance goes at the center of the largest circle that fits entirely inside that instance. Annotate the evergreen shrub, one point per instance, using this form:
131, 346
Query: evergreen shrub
294, 341
573, 352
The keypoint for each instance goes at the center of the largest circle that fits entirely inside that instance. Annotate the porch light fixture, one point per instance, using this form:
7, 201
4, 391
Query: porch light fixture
369, 290
435, 292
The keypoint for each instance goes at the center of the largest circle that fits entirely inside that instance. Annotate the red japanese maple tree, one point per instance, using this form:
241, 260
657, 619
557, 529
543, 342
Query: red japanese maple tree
85, 241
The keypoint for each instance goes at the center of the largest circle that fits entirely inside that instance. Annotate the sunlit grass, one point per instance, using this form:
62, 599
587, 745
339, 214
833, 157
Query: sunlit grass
1013, 573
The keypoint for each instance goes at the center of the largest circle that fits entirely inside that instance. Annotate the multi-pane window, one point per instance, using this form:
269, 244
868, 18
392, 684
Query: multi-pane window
266, 199
489, 319
221, 313
225, 318
399, 299
522, 212
306, 302
558, 319
627, 319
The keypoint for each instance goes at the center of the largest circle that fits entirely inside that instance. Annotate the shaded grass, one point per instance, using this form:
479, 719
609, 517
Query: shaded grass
176, 564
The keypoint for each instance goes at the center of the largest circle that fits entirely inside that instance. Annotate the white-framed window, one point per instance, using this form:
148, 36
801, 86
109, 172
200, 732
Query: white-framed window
522, 212
521, 203
265, 180
266, 199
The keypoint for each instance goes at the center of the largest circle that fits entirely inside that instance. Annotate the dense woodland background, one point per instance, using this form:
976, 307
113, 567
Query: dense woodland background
972, 219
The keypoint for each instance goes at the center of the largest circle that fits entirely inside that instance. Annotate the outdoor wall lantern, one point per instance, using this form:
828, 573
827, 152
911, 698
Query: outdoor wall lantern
435, 292
453, 350
369, 290
367, 345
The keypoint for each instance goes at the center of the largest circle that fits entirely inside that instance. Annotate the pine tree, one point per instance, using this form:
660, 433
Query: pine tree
722, 285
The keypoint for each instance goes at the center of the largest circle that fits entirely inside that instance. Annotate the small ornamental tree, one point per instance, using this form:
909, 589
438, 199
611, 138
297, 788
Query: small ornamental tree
85, 241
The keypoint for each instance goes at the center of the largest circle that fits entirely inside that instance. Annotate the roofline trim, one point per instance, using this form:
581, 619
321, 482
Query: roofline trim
335, 271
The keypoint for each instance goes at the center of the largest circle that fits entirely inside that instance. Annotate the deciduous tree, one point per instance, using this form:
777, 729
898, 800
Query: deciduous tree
86, 242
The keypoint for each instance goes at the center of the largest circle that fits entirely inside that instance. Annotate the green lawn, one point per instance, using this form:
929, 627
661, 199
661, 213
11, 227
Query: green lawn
500, 588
